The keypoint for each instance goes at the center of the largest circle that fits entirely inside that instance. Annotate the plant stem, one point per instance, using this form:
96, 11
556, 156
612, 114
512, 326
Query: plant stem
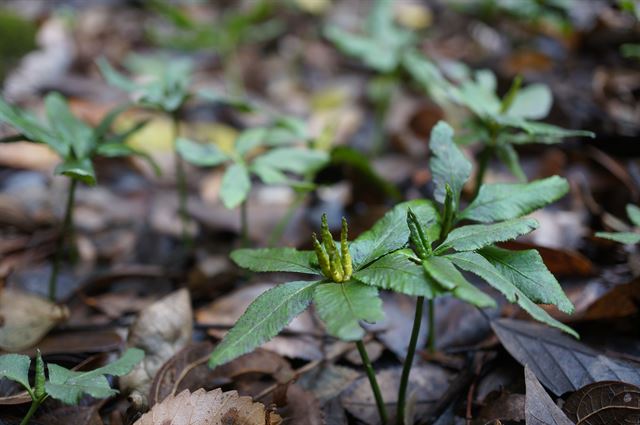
371, 374
485, 156
67, 228
244, 225
431, 339
34, 406
181, 182
408, 362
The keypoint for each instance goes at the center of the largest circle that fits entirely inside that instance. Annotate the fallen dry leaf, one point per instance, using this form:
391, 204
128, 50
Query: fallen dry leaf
209, 408
302, 408
161, 330
606, 402
26, 318
539, 408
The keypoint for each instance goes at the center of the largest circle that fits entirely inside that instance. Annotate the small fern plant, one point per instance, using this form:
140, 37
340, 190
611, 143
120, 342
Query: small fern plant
63, 384
77, 144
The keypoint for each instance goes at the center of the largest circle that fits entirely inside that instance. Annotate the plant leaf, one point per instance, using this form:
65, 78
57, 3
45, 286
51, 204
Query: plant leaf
298, 161
69, 129
235, 185
249, 140
264, 318
627, 238
448, 164
539, 129
31, 127
369, 51
633, 212
396, 272
115, 150
445, 273
526, 270
78, 169
202, 154
504, 201
342, 306
532, 102
276, 260
390, 233
509, 156
115, 78
476, 236
478, 265
16, 368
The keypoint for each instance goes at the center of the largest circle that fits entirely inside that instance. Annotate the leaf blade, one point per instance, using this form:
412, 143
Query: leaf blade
476, 236
235, 185
276, 260
448, 164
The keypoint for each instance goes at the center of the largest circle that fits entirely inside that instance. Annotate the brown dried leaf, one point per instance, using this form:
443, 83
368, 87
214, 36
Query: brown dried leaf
621, 301
539, 408
26, 318
303, 408
161, 330
209, 408
606, 402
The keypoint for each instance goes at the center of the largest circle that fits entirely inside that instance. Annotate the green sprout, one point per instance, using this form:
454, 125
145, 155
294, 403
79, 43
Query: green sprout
76, 143
65, 385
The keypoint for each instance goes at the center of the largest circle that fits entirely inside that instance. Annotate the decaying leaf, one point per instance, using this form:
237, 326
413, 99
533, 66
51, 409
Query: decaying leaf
161, 330
539, 408
302, 408
26, 318
209, 408
560, 362
606, 402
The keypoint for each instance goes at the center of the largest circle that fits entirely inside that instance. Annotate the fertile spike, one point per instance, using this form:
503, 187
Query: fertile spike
347, 266
323, 257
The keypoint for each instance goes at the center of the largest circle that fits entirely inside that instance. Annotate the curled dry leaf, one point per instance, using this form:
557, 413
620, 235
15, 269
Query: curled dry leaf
26, 318
209, 408
161, 330
606, 402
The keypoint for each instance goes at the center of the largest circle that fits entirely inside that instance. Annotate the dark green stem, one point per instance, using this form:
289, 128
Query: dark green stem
431, 339
181, 182
67, 229
34, 406
244, 225
371, 374
408, 362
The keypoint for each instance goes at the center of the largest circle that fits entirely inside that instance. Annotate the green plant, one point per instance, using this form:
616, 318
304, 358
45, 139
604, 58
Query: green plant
17, 38
629, 237
76, 143
63, 384
440, 250
499, 124
267, 152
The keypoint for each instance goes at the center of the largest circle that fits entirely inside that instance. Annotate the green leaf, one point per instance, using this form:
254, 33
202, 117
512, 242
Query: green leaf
396, 272
298, 161
342, 306
202, 154
538, 128
627, 238
427, 75
503, 201
391, 232
527, 271
482, 102
509, 156
249, 140
81, 170
235, 185
71, 130
448, 165
69, 386
16, 368
115, 78
478, 265
532, 102
264, 319
276, 260
634, 214
476, 236
369, 51
115, 150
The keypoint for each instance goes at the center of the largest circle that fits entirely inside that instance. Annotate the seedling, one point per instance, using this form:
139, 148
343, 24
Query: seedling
629, 237
76, 143
500, 124
266, 152
439, 251
63, 384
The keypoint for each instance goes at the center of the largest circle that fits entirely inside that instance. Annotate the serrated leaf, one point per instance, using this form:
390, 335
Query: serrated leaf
504, 201
627, 238
390, 233
68, 127
78, 169
532, 102
480, 266
202, 154
298, 161
276, 260
235, 185
396, 272
264, 319
476, 236
342, 306
448, 164
633, 212
526, 270
16, 368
